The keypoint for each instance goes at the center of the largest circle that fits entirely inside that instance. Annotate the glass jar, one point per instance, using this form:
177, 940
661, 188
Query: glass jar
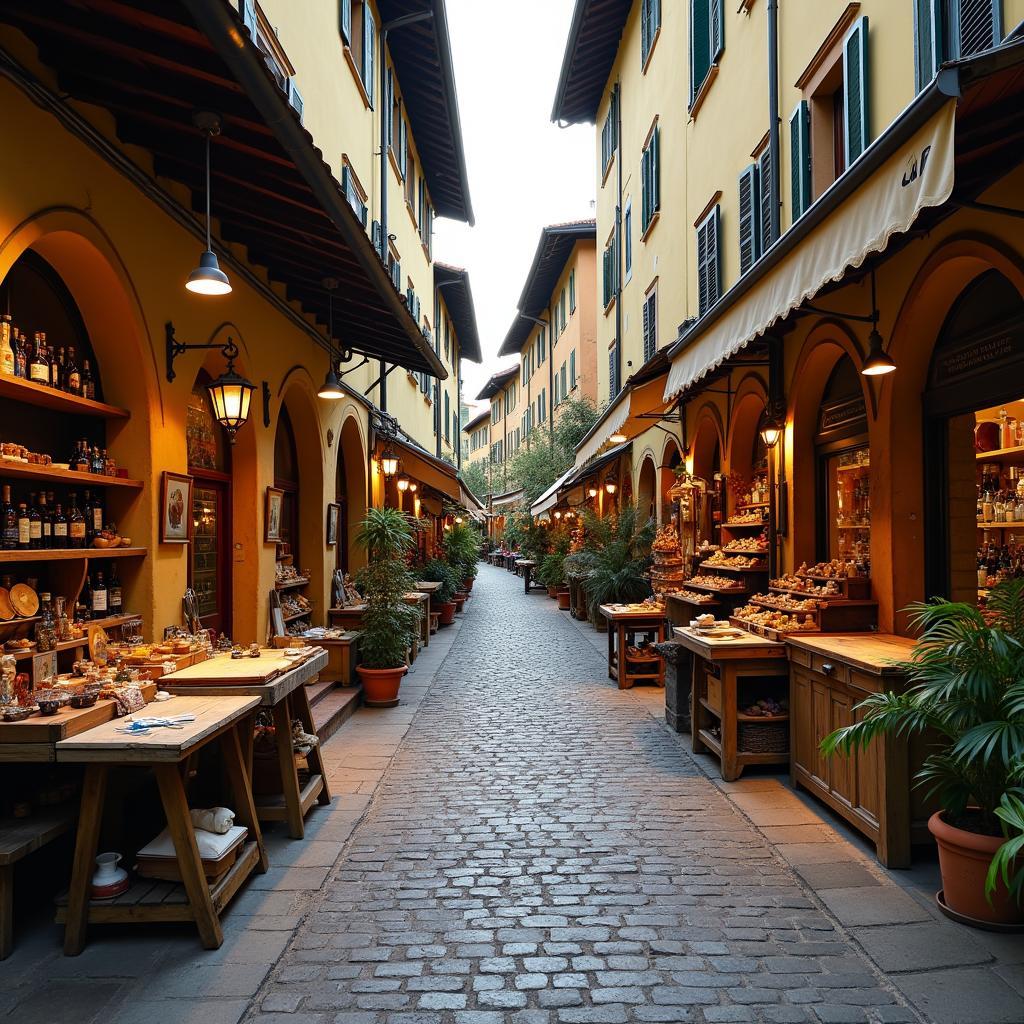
46, 627
63, 621
8, 673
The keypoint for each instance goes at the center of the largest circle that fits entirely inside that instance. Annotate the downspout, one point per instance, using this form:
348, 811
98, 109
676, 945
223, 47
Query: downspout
773, 119
618, 241
551, 379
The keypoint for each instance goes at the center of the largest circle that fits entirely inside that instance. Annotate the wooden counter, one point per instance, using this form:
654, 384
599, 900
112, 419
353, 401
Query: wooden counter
624, 624
829, 675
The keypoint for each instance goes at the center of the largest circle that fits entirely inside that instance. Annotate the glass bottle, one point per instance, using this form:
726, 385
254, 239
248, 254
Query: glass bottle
46, 531
99, 596
38, 367
96, 521
63, 622
76, 523
60, 528
87, 516
88, 381
46, 627
21, 357
6, 346
115, 599
80, 463
96, 464
35, 524
24, 528
9, 534
57, 369
72, 375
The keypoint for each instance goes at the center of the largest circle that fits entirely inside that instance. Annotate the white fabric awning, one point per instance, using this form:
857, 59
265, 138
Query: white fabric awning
504, 500
550, 497
609, 423
918, 175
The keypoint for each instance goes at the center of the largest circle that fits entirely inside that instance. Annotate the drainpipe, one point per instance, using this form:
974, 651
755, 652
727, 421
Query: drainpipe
773, 117
618, 238
385, 115
551, 379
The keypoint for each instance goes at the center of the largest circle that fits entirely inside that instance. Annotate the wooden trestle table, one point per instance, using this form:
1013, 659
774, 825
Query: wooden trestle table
622, 625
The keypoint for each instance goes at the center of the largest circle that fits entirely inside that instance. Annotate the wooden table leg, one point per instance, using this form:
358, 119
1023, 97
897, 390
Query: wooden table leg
611, 649
314, 758
697, 745
94, 791
179, 825
623, 632
240, 780
6, 910
426, 620
286, 761
730, 769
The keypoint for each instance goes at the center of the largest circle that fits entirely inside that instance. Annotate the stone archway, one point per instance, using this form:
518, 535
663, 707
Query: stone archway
647, 489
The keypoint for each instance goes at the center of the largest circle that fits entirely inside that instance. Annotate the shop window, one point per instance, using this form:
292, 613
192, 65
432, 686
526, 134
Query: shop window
286, 477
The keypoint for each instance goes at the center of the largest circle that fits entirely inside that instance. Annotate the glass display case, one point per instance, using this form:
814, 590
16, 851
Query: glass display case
848, 491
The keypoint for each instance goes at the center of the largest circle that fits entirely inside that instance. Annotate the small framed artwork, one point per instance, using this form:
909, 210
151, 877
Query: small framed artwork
176, 508
275, 498
333, 516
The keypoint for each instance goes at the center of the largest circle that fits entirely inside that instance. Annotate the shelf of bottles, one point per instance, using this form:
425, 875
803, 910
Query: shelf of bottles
999, 444
849, 495
60, 493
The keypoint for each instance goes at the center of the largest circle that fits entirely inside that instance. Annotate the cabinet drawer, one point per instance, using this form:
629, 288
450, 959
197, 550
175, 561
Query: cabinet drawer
867, 683
830, 669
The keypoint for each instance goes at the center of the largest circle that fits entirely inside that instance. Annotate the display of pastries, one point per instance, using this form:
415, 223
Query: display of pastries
805, 585
716, 582
779, 621
722, 560
786, 603
837, 569
667, 539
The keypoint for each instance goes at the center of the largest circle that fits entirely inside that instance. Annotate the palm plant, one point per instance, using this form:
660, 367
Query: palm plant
615, 570
462, 550
388, 622
966, 694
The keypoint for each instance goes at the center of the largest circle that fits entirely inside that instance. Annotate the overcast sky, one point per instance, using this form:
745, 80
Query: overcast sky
524, 171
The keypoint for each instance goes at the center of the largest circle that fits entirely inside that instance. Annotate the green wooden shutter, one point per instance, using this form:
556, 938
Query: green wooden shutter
572, 368
765, 235
403, 146
715, 254
709, 270
855, 93
977, 27
929, 42
369, 38
645, 29
345, 20
655, 148
700, 38
800, 158
716, 19
749, 220
650, 331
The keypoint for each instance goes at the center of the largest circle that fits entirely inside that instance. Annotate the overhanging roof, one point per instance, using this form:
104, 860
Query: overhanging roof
590, 51
595, 465
422, 56
476, 421
151, 64
553, 251
497, 382
458, 297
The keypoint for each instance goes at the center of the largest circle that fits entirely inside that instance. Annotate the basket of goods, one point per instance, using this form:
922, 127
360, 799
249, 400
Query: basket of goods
762, 737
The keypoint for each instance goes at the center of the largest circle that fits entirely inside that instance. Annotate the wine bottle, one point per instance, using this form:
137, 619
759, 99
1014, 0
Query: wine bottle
24, 528
76, 523
35, 524
60, 528
88, 381
38, 367
21, 357
99, 597
57, 369
46, 532
114, 597
6, 346
97, 515
87, 516
9, 536
72, 375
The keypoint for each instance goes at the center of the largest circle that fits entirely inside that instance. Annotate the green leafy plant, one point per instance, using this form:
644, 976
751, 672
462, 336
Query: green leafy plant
437, 570
388, 623
461, 548
966, 695
552, 568
617, 558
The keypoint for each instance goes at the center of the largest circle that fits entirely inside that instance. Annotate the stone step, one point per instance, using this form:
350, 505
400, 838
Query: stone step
317, 689
334, 708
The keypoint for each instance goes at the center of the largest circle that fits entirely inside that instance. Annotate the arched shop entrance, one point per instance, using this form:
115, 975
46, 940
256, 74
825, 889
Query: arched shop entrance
707, 466
350, 494
974, 443
646, 490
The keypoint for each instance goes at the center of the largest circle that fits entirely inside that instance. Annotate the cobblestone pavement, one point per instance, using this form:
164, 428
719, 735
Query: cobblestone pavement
544, 851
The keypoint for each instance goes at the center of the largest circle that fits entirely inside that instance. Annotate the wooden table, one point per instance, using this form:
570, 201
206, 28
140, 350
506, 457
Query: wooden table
421, 600
621, 626
341, 656
719, 668
525, 567
430, 588
829, 675
577, 597
166, 751
350, 617
285, 696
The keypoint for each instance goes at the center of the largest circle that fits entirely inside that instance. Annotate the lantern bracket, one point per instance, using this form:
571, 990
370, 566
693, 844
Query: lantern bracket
175, 348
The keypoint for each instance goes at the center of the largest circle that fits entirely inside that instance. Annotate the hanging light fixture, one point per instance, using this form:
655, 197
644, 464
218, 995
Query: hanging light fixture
388, 463
208, 278
331, 388
413, 487
610, 485
403, 482
878, 362
231, 395
591, 492
618, 437
770, 428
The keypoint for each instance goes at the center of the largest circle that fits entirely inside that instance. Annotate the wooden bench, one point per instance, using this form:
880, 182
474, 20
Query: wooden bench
18, 838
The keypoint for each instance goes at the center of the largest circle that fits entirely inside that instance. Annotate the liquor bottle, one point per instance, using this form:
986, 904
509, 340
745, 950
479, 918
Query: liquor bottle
83, 610
96, 520
24, 528
114, 597
35, 524
46, 533
99, 597
21, 357
46, 627
6, 346
97, 464
57, 369
38, 367
72, 375
79, 461
9, 537
76, 523
60, 528
50, 505
88, 381
87, 516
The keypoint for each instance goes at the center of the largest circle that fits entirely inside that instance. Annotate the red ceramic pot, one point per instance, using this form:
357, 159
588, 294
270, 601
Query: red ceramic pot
380, 685
467, 585
447, 610
563, 600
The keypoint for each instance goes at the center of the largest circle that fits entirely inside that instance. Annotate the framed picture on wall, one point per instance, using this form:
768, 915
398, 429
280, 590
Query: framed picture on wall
272, 521
333, 517
175, 508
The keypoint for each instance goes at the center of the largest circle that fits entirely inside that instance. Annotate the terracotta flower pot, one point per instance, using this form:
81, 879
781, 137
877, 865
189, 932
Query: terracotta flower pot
467, 585
563, 600
447, 610
964, 859
380, 685
552, 591
460, 600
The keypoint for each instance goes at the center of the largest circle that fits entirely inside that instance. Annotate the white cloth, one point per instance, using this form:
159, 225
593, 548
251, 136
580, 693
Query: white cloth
212, 819
211, 846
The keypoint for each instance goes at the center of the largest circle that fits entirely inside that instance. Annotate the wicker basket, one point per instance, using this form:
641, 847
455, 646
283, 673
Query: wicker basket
762, 737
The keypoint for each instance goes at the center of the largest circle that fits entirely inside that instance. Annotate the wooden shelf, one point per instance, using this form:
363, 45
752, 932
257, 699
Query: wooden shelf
291, 584
82, 641
708, 708
713, 567
761, 719
760, 552
298, 615
745, 526
1011, 455
17, 390
711, 741
717, 590
71, 477
710, 603
70, 554
752, 504
864, 467
1002, 526
864, 526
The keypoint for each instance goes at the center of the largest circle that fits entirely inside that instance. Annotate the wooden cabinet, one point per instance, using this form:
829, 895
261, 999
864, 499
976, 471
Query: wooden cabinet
829, 676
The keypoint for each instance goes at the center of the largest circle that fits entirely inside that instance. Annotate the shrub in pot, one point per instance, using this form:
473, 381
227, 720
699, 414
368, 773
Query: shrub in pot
966, 696
437, 570
462, 551
389, 623
617, 568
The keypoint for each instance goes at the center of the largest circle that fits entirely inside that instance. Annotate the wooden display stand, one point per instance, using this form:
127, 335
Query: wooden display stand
719, 667
165, 751
870, 788
341, 655
525, 567
627, 670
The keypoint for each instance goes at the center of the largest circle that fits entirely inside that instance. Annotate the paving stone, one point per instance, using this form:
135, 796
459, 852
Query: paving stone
858, 905
966, 996
920, 947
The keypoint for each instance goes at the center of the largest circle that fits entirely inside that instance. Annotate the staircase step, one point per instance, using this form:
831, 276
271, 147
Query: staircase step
334, 708
317, 689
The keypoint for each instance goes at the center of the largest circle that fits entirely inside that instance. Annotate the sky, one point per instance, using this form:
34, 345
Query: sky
524, 171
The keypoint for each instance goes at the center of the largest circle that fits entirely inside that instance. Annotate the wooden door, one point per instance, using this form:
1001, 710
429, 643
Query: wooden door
209, 569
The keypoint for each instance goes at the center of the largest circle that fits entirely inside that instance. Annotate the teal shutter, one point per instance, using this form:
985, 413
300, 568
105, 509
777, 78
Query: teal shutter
749, 220
655, 149
345, 20
295, 98
709, 270
765, 237
800, 158
855, 98
403, 146
388, 113
929, 44
369, 38
645, 30
650, 325
977, 27
716, 19
572, 368
700, 37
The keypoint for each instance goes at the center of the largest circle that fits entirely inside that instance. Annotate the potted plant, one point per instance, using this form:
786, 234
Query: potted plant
439, 571
462, 551
618, 562
966, 696
388, 622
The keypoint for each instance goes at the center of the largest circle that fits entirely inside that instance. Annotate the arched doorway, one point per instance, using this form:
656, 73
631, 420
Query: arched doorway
646, 490
350, 494
209, 465
974, 443
707, 466
286, 480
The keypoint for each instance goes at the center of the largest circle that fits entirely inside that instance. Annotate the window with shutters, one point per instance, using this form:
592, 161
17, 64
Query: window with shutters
265, 38
572, 291
565, 381
542, 347
447, 338
856, 123
650, 323
707, 41
410, 184
359, 36
627, 241
561, 307
766, 236
609, 273
572, 370
610, 133
555, 394
800, 159
951, 29
650, 28
709, 267
542, 405
650, 180
447, 417
496, 411
525, 375
355, 194
614, 371
749, 217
